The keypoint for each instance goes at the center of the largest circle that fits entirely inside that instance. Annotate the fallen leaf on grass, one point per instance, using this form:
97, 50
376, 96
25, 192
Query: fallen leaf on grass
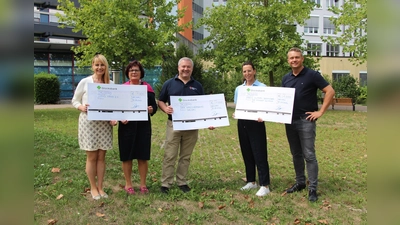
221, 207
325, 205
323, 221
51, 221
160, 209
154, 179
284, 193
100, 214
204, 194
251, 204
55, 170
232, 202
60, 196
296, 221
101, 204
201, 205
244, 179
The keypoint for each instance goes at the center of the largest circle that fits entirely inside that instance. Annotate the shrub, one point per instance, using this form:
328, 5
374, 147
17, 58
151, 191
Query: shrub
362, 98
46, 88
347, 87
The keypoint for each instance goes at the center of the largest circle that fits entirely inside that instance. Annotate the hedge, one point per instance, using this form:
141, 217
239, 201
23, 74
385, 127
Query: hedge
46, 88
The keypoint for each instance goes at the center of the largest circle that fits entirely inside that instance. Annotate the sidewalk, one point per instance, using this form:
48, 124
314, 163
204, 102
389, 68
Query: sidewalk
67, 104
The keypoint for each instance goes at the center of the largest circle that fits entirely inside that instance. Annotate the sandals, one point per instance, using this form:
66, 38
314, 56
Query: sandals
144, 190
129, 191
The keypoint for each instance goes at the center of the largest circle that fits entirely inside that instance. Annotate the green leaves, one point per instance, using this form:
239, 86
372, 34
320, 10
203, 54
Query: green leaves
259, 31
352, 23
346, 87
122, 30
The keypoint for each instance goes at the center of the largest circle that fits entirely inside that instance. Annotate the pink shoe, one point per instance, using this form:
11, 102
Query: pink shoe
129, 191
144, 190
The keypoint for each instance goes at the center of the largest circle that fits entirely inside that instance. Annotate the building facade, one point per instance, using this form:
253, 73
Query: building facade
334, 61
52, 50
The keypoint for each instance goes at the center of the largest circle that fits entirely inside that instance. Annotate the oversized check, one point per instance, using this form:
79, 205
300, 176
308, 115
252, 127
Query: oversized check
117, 102
199, 111
273, 104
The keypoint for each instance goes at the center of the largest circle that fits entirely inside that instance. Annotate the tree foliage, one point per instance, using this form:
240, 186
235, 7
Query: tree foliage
353, 16
259, 31
346, 87
122, 30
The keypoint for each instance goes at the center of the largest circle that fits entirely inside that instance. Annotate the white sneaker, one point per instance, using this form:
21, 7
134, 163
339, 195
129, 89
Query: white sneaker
249, 186
263, 191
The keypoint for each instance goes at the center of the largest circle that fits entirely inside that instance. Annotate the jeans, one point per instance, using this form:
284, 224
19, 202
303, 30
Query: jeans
301, 137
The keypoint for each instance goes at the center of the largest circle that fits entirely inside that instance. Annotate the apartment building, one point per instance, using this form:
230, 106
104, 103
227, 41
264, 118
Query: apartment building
52, 47
334, 62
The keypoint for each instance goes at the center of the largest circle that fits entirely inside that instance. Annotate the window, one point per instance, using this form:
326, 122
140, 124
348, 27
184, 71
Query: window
314, 49
44, 18
318, 3
329, 28
336, 75
332, 3
197, 8
197, 36
363, 78
332, 50
349, 54
311, 26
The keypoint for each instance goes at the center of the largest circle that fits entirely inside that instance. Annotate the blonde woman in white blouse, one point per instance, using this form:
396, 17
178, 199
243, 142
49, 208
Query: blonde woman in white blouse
95, 137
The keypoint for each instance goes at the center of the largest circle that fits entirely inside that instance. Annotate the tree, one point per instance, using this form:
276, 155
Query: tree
122, 30
259, 31
353, 16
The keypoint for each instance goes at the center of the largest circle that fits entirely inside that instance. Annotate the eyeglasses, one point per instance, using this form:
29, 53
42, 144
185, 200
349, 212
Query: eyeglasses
131, 71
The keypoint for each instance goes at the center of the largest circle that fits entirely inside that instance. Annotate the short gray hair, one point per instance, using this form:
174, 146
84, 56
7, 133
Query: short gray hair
185, 59
294, 49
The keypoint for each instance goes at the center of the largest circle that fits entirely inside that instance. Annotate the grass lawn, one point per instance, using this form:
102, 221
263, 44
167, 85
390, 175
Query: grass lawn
215, 176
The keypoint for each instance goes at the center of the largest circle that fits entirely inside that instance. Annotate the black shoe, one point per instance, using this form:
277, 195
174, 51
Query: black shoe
312, 195
296, 187
164, 190
184, 188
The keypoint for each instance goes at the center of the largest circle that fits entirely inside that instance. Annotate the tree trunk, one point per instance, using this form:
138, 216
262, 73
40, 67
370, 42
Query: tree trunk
271, 79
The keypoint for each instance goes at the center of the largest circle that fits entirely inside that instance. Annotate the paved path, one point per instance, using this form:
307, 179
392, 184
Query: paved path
67, 104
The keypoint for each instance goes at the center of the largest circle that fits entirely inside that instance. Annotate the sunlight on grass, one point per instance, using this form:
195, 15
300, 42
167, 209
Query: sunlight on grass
215, 177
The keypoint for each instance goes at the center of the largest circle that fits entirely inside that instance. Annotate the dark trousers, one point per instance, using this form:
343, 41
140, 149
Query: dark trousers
253, 144
301, 137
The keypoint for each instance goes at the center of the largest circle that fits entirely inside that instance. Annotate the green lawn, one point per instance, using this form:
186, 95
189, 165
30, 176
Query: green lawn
215, 177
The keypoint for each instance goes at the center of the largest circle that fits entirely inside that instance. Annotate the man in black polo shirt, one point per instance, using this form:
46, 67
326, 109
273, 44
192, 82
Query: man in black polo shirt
302, 131
180, 85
